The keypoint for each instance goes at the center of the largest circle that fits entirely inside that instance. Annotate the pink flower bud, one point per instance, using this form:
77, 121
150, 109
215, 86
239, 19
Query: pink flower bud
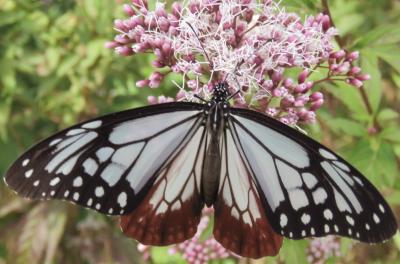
120, 25
288, 82
316, 96
355, 82
140, 3
287, 101
302, 76
176, 9
343, 68
152, 100
355, 71
163, 24
326, 23
276, 77
160, 11
363, 77
129, 10
124, 51
353, 56
301, 88
316, 104
111, 44
158, 64
142, 83
166, 48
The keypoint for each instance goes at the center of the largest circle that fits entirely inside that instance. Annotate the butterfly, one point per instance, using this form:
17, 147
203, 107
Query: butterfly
158, 166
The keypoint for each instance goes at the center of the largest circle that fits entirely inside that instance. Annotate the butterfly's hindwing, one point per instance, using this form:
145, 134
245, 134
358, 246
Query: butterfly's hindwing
306, 189
172, 208
238, 207
109, 163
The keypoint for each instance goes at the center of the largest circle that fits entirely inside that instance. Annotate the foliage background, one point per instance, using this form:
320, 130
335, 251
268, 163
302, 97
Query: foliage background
55, 71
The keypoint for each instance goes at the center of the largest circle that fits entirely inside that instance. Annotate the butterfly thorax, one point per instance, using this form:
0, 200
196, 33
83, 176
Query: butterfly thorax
215, 125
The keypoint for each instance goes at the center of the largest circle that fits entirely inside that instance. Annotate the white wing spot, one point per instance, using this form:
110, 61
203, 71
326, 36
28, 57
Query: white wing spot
303, 233
76, 131
43, 194
76, 196
161, 209
25, 162
66, 193
326, 229
328, 214
381, 208
99, 191
283, 220
93, 124
319, 196
358, 235
247, 219
376, 218
306, 218
350, 220
326, 154
122, 200
176, 206
36, 183
110, 211
290, 234
90, 166
28, 174
350, 232
336, 228
52, 193
55, 141
122, 211
309, 179
235, 213
54, 181
367, 227
104, 153
78, 181
298, 199
312, 231
89, 202
98, 206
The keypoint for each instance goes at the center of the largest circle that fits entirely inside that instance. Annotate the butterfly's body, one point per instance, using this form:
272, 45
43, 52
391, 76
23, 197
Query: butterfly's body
157, 166
215, 114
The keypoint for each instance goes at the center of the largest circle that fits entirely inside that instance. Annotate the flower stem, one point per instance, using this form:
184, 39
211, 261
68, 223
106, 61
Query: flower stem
342, 45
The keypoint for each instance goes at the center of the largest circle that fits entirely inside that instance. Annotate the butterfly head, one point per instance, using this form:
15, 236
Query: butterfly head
220, 92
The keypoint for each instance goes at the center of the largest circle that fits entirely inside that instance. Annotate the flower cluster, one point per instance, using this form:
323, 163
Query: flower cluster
321, 249
255, 46
196, 250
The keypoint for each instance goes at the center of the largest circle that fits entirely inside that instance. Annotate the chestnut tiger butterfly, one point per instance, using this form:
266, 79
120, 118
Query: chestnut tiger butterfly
158, 166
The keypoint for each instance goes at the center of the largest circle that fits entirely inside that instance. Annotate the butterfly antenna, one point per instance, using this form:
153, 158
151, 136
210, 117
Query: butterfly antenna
200, 98
201, 45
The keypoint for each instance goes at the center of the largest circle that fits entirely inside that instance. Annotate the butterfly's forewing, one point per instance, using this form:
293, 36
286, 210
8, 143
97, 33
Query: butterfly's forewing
172, 208
240, 221
109, 163
306, 189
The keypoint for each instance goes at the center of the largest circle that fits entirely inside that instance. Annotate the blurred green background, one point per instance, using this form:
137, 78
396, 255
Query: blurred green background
55, 71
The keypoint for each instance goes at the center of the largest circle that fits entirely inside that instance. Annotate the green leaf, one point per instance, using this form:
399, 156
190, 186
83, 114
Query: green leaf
294, 251
382, 35
387, 114
160, 255
390, 54
347, 126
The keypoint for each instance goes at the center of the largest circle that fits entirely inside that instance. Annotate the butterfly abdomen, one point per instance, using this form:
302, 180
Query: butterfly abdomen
212, 160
